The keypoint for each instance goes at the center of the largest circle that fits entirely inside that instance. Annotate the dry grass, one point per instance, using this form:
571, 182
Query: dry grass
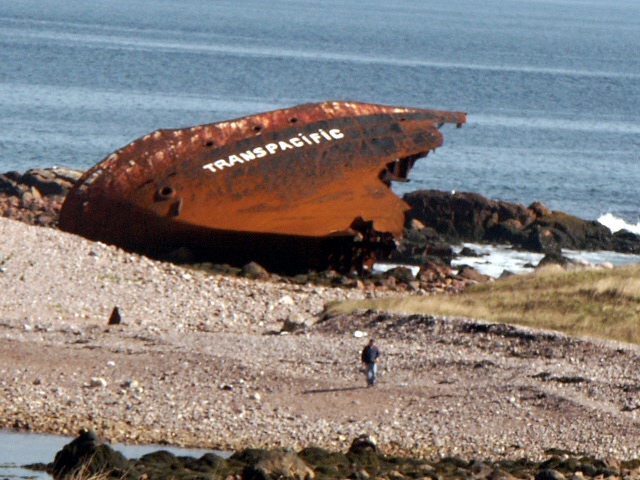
588, 302
85, 473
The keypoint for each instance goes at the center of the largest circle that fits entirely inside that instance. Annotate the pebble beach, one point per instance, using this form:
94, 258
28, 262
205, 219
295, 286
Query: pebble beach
205, 360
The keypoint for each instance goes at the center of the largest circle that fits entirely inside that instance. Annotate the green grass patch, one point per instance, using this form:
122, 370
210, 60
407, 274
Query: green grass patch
601, 303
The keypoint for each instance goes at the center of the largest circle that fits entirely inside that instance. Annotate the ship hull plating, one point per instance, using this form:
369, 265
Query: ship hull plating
294, 189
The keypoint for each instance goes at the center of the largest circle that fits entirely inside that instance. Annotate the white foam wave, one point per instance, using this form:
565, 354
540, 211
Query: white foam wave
615, 224
495, 260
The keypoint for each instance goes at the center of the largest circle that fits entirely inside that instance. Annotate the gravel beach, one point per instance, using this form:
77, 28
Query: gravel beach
200, 359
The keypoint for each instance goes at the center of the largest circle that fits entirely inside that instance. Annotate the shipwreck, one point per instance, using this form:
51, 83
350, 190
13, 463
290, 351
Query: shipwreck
296, 189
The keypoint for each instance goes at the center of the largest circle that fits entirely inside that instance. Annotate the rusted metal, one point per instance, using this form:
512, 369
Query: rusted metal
300, 188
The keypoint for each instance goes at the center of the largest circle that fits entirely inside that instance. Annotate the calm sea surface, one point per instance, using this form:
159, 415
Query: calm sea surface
552, 88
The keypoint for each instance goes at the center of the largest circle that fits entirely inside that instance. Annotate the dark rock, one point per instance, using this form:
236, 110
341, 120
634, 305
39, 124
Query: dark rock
325, 462
480, 469
556, 259
507, 274
455, 461
278, 464
363, 455
625, 241
115, 318
469, 217
36, 196
87, 456
510, 231
560, 230
502, 474
539, 209
434, 270
212, 463
417, 244
401, 274
248, 456
462, 216
160, 460
549, 475
290, 325
555, 460
255, 271
181, 255
208, 463
46, 182
36, 467
363, 443
8, 185
470, 273
440, 250
469, 252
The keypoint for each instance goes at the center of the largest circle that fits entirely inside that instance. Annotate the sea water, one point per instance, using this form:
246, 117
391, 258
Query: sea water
551, 88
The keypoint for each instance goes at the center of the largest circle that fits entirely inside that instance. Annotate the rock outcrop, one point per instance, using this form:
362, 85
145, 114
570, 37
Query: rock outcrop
470, 217
36, 196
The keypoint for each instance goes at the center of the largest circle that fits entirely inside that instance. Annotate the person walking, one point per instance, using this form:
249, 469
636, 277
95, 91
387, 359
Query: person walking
370, 355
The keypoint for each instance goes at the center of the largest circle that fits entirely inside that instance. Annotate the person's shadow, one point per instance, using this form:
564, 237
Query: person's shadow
328, 390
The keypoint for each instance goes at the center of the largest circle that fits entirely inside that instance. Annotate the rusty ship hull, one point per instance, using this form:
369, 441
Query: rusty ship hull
294, 189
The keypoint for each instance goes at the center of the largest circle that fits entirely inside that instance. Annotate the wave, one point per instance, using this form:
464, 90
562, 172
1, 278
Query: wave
121, 38
615, 224
573, 125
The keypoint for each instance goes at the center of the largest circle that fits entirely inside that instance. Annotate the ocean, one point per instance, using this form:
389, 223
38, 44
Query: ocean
551, 87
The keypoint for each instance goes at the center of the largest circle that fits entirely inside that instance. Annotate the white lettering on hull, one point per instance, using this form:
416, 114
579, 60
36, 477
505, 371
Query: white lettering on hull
300, 141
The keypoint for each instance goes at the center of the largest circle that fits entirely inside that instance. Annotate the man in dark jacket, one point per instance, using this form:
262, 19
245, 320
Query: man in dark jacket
370, 355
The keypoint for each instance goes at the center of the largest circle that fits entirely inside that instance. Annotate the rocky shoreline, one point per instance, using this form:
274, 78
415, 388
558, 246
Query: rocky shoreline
435, 222
88, 457
205, 359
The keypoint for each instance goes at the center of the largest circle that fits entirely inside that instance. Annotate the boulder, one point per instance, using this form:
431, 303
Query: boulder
255, 271
556, 259
469, 273
325, 462
36, 196
363, 443
87, 456
625, 241
566, 231
434, 270
363, 456
418, 243
401, 274
278, 464
207, 463
39, 182
549, 475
